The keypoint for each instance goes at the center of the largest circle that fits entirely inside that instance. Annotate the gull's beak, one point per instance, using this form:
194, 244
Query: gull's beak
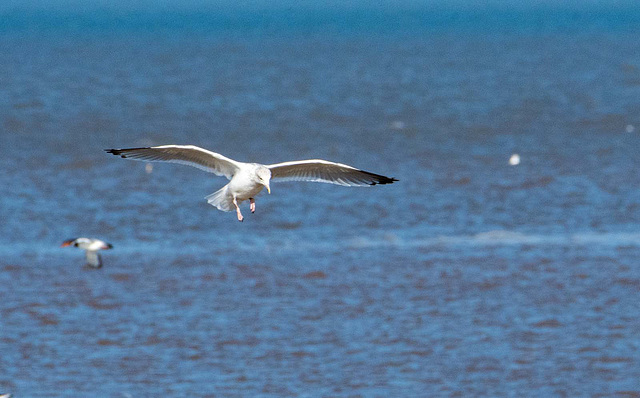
265, 182
65, 244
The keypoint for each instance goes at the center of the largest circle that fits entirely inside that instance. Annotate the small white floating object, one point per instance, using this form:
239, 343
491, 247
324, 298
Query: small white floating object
630, 128
398, 125
514, 160
148, 168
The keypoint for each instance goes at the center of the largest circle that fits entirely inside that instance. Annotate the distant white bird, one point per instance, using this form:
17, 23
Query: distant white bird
248, 179
514, 160
91, 246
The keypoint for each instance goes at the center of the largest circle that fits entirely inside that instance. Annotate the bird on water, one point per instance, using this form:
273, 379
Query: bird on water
248, 179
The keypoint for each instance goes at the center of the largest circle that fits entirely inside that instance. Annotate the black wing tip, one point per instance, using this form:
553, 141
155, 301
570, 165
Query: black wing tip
380, 179
120, 152
114, 151
383, 181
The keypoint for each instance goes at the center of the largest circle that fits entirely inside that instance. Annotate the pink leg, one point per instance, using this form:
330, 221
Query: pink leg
235, 203
253, 205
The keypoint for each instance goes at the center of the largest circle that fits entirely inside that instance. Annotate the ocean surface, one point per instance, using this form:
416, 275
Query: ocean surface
468, 277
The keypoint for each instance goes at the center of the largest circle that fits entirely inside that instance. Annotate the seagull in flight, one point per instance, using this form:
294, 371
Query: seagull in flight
248, 179
91, 246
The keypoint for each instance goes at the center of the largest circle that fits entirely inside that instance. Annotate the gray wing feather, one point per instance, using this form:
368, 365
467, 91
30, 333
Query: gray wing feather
317, 170
190, 155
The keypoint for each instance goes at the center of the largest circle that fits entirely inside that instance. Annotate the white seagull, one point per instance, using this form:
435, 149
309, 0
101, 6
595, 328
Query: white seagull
248, 179
91, 246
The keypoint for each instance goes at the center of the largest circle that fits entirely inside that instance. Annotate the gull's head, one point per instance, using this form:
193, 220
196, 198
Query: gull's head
264, 176
69, 242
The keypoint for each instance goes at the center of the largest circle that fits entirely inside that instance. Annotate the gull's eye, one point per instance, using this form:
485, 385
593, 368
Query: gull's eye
75, 244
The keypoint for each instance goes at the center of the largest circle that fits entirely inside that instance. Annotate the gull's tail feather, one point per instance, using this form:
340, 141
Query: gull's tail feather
221, 200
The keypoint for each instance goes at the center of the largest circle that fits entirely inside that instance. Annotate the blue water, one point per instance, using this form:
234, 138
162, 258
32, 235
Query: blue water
468, 277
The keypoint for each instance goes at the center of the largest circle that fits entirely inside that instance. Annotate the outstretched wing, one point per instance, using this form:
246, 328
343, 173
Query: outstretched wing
93, 259
318, 170
190, 155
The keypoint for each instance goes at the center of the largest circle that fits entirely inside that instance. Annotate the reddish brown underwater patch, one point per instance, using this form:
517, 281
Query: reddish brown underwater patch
107, 342
547, 323
302, 354
631, 394
314, 275
121, 277
102, 306
605, 359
